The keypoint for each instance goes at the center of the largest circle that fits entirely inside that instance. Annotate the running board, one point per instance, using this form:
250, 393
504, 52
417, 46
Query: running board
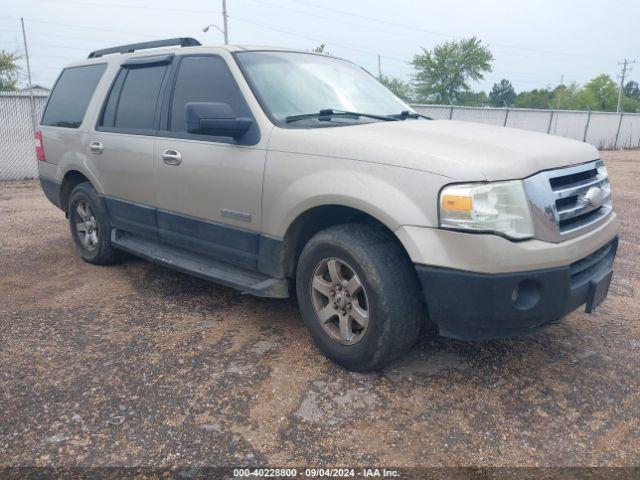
207, 268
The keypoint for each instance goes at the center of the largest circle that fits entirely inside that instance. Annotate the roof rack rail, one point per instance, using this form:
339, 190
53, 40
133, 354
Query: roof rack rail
170, 42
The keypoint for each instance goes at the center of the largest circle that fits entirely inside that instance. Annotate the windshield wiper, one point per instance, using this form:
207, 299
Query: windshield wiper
329, 113
403, 115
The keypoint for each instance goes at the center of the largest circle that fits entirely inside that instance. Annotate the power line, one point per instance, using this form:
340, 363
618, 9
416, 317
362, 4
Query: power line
432, 32
128, 6
116, 5
317, 39
338, 20
349, 46
84, 39
331, 9
53, 45
405, 29
91, 27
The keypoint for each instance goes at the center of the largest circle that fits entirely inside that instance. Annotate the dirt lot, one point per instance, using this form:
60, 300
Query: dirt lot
138, 365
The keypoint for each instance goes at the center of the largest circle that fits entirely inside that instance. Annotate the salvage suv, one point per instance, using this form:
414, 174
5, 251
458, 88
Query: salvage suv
276, 171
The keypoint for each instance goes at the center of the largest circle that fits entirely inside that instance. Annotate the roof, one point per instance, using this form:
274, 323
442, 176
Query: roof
172, 43
185, 45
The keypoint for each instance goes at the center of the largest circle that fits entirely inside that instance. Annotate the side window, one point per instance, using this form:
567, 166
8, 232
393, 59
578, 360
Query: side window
204, 79
71, 95
133, 98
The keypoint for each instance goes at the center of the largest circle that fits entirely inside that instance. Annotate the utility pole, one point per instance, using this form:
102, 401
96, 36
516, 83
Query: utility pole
379, 69
26, 56
224, 20
625, 68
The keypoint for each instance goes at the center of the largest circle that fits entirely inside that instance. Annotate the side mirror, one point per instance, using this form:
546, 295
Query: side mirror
217, 119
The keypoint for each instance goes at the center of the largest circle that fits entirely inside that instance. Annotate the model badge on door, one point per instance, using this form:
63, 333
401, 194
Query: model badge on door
244, 216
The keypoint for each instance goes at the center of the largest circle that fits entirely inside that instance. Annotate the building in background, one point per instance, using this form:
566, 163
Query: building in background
38, 90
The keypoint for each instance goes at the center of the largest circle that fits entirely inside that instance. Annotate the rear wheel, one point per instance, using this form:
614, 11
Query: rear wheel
359, 296
90, 226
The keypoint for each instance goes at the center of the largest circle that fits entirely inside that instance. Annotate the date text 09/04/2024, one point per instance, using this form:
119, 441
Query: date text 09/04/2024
315, 472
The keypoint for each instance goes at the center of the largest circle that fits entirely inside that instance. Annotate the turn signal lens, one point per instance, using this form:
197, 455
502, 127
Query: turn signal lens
456, 202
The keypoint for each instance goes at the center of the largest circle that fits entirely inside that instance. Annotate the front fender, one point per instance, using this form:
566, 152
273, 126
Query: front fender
394, 196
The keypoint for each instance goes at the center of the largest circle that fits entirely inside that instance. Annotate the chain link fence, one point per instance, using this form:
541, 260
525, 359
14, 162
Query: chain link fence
602, 129
17, 149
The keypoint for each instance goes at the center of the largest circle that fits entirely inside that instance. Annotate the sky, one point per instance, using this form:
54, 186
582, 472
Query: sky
535, 43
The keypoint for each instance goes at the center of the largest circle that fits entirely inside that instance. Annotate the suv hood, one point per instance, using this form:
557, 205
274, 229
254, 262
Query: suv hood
463, 151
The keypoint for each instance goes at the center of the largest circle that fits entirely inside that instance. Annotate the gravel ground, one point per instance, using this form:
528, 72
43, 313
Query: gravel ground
136, 365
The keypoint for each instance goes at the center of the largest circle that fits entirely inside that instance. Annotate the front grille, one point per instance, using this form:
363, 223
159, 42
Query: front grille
583, 270
568, 202
570, 191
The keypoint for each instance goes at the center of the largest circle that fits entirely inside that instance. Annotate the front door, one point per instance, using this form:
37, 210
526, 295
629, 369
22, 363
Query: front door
208, 189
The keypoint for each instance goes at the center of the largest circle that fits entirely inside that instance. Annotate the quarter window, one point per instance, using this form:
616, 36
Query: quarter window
71, 95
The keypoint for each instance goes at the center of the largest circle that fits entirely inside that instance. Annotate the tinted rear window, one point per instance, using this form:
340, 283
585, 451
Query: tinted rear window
133, 98
71, 94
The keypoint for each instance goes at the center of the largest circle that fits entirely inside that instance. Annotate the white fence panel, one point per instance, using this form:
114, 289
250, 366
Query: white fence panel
569, 124
493, 116
605, 130
537, 120
17, 148
439, 112
629, 136
602, 129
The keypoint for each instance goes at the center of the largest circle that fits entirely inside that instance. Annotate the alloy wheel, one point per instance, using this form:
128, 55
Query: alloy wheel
340, 301
86, 226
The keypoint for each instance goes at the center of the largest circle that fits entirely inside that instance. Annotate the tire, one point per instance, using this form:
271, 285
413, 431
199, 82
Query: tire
87, 213
390, 296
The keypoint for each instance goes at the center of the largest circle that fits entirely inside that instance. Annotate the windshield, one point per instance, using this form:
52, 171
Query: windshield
289, 84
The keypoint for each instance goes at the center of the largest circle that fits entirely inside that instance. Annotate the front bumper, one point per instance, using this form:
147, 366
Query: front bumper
477, 306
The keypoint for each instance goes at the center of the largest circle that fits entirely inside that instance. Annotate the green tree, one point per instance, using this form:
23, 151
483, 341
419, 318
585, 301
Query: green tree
9, 70
474, 99
400, 88
564, 97
536, 98
322, 48
629, 104
502, 94
444, 73
601, 93
632, 90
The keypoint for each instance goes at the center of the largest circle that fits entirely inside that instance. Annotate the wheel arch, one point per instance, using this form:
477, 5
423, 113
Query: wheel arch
71, 179
314, 220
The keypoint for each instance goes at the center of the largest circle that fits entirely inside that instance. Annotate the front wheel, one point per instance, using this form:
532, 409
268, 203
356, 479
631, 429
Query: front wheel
359, 296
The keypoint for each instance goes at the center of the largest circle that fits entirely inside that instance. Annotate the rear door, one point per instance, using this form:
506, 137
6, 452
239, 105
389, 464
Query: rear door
123, 143
209, 200
64, 115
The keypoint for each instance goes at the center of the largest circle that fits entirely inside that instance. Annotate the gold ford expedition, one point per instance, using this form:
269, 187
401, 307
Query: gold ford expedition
281, 172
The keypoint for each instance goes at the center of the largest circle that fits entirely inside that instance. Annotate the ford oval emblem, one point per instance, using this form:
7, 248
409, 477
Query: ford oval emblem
595, 196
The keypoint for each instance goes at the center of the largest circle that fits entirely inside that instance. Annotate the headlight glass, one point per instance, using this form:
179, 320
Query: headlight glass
499, 207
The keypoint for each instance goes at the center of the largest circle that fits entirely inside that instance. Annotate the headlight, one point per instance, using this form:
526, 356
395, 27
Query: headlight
499, 207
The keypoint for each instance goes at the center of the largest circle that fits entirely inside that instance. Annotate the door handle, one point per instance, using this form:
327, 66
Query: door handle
96, 147
172, 157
